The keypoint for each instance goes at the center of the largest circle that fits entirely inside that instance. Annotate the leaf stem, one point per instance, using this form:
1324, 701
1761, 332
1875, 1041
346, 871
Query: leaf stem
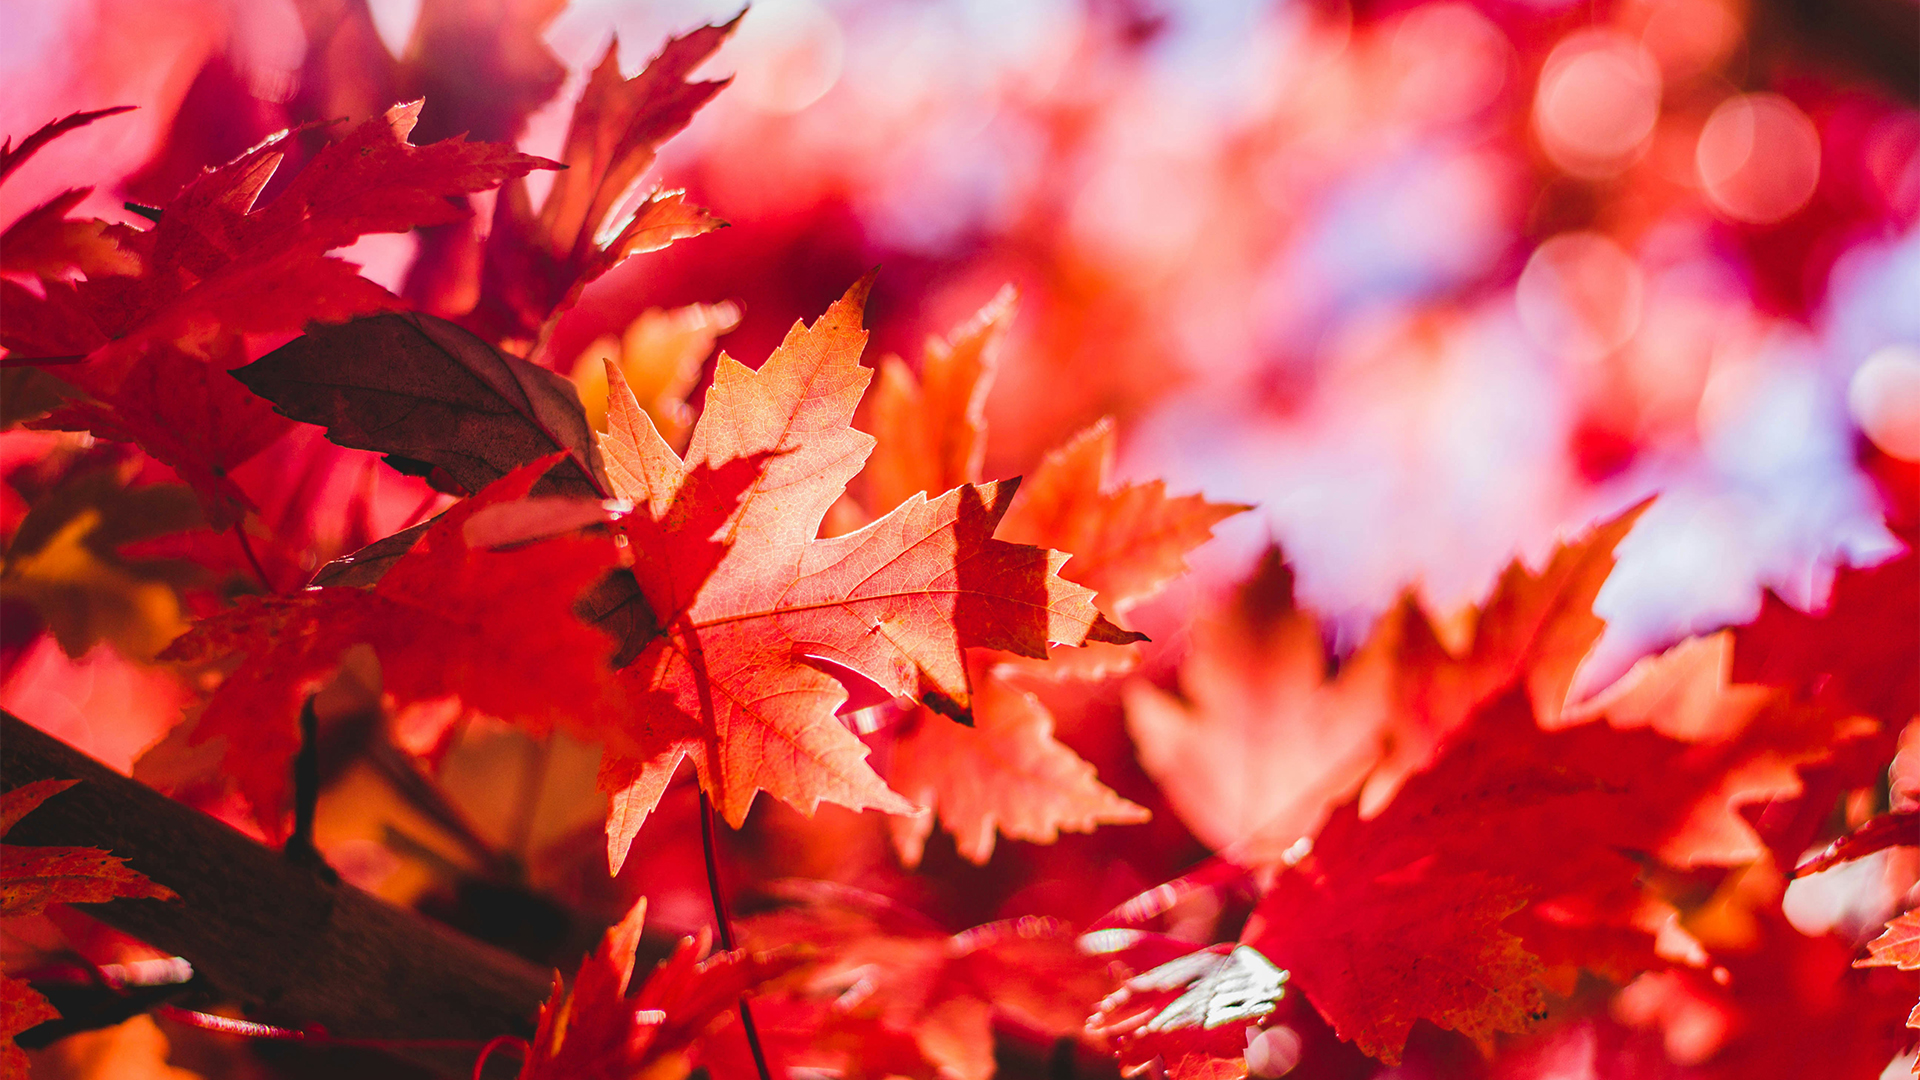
246, 548
709, 843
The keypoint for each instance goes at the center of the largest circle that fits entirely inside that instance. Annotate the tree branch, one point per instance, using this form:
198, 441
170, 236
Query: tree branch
292, 948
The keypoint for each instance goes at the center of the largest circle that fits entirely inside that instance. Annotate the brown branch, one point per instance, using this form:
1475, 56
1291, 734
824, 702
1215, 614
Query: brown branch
292, 948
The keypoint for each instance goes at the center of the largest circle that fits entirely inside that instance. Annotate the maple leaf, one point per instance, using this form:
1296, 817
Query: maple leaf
1006, 773
595, 1030
1196, 1013
1898, 947
431, 395
450, 618
33, 877
930, 431
1127, 541
1854, 658
12, 157
183, 409
886, 966
536, 264
45, 242
1508, 818
1535, 628
1264, 743
746, 596
21, 1008
216, 258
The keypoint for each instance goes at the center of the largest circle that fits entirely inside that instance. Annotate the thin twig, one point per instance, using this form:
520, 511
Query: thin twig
708, 842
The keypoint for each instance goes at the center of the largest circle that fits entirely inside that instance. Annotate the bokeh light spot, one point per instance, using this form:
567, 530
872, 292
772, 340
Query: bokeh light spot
1758, 157
1453, 61
1884, 397
1598, 99
1580, 295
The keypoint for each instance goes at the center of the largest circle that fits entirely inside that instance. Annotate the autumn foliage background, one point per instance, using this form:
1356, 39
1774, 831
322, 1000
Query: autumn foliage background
1546, 376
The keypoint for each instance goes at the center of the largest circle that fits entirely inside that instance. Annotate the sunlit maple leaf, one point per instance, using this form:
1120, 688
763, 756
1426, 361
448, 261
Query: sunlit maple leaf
752, 605
930, 430
33, 877
21, 1007
537, 263
1007, 774
878, 962
1195, 1013
1854, 654
1128, 540
1898, 947
46, 242
1534, 628
453, 618
1265, 742
597, 1030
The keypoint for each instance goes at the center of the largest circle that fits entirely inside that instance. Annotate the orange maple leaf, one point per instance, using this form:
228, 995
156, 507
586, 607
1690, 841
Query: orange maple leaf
33, 877
1007, 774
754, 610
1264, 743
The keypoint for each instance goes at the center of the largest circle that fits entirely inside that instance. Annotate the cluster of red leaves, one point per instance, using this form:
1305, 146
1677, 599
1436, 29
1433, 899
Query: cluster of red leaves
1424, 836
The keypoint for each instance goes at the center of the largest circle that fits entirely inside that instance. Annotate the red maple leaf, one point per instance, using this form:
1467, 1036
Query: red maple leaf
596, 1030
1407, 916
537, 262
151, 331
217, 258
33, 877
891, 973
753, 608
184, 409
454, 617
1855, 657
1006, 773
1264, 740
